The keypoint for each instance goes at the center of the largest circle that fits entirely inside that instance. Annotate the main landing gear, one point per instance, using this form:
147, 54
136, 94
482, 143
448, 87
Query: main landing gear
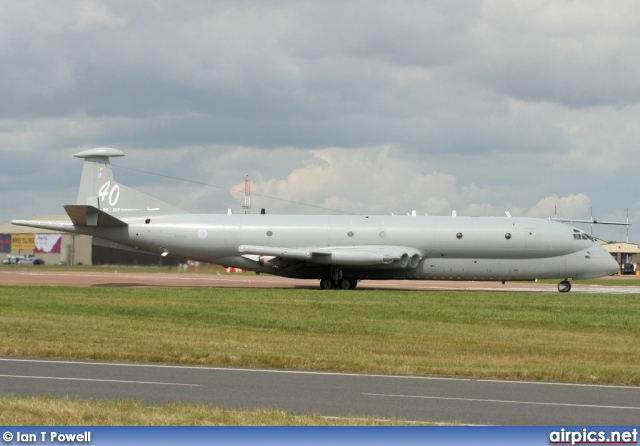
336, 280
564, 286
346, 283
326, 283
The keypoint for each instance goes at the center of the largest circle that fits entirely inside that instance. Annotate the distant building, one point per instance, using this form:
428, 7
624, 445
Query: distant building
50, 246
625, 254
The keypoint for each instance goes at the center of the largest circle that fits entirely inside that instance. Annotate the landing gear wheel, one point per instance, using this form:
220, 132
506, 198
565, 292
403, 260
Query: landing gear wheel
326, 284
564, 286
347, 283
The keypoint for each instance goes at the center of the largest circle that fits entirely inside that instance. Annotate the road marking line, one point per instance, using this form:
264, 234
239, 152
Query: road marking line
98, 380
545, 383
426, 423
502, 401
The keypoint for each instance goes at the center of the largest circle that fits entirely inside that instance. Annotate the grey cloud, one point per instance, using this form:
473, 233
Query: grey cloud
575, 54
514, 97
573, 83
409, 33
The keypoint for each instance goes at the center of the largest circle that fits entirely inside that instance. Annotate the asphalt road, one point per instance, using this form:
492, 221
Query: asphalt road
419, 398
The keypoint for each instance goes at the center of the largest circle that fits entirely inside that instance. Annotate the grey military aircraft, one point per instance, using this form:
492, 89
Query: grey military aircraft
338, 250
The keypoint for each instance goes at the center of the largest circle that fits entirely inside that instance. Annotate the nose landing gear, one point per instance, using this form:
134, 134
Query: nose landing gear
564, 286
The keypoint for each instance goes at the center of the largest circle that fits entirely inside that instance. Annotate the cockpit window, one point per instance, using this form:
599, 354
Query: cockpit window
579, 235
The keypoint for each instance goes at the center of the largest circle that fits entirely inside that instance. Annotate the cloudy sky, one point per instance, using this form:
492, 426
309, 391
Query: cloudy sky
329, 106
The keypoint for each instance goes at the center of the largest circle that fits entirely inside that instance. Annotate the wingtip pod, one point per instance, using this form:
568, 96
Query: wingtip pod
99, 151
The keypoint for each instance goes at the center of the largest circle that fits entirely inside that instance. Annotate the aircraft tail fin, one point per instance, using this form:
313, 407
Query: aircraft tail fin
100, 196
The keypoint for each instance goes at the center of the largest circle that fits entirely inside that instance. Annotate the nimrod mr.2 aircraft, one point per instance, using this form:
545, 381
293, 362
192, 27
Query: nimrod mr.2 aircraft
337, 250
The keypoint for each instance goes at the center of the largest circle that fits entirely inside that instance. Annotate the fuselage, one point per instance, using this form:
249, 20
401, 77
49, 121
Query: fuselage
451, 248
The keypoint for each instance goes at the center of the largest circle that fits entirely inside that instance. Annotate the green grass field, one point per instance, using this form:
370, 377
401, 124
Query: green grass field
541, 336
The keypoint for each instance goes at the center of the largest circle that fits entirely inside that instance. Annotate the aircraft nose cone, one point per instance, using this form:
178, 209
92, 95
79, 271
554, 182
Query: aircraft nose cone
606, 265
594, 264
613, 266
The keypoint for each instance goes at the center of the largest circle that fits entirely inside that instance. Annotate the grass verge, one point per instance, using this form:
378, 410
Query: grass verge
51, 411
540, 336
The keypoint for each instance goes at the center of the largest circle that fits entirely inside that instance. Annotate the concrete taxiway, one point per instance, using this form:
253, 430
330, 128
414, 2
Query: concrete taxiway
33, 276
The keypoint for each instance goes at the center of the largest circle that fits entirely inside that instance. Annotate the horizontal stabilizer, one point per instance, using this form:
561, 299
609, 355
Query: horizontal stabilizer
85, 215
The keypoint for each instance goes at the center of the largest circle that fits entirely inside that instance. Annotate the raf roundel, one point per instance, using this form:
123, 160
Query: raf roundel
202, 233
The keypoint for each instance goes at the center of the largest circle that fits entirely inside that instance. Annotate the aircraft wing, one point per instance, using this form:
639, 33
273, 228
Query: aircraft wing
595, 222
369, 255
